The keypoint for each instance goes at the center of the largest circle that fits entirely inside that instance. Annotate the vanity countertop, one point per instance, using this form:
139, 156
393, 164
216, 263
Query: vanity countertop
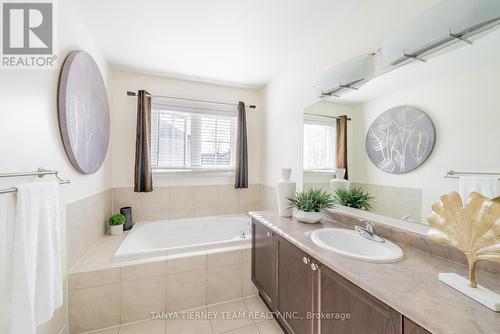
410, 286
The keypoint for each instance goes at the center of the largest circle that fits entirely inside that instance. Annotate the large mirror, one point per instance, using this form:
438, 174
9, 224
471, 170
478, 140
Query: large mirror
459, 91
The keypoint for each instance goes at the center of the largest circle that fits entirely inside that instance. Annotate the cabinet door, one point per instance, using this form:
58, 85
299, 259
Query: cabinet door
295, 289
409, 327
263, 261
368, 315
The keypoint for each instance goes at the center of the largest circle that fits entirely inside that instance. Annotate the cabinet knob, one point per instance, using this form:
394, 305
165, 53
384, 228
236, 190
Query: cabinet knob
268, 234
314, 266
306, 260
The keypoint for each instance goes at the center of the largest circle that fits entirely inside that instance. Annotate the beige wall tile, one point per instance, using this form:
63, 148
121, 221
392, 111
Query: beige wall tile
156, 203
248, 288
205, 197
182, 198
141, 297
224, 283
179, 214
267, 197
94, 308
86, 221
89, 279
144, 327
154, 216
186, 262
218, 259
249, 196
186, 290
221, 324
127, 197
206, 212
228, 198
144, 270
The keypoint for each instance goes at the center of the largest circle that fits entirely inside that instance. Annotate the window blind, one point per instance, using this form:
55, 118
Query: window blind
320, 141
192, 135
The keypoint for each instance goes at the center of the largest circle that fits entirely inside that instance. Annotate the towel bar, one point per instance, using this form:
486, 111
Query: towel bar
40, 172
451, 174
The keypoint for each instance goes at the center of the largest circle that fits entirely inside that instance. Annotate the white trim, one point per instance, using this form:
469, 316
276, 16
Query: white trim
213, 171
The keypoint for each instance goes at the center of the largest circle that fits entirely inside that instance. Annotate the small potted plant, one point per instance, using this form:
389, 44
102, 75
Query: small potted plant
353, 197
116, 224
310, 204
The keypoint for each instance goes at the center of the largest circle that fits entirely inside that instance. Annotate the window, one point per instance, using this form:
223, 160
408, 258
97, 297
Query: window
320, 142
192, 135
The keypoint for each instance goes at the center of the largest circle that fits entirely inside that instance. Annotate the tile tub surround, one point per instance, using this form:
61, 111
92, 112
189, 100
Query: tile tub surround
267, 197
186, 201
248, 324
410, 286
104, 294
87, 223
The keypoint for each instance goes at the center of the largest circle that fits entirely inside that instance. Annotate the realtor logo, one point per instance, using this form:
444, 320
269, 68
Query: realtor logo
28, 34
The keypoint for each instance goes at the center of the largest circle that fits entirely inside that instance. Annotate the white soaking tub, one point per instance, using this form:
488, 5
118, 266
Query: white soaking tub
162, 237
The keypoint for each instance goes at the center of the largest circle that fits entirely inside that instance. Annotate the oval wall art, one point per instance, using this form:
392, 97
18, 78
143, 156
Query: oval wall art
400, 139
83, 112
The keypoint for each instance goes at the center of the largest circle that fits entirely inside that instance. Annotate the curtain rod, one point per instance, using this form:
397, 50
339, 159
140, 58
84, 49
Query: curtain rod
348, 118
130, 93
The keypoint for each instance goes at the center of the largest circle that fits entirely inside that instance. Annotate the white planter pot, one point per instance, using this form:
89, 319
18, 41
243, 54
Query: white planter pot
115, 229
285, 188
308, 217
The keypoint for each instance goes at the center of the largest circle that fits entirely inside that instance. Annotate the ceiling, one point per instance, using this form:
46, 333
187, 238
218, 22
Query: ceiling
237, 42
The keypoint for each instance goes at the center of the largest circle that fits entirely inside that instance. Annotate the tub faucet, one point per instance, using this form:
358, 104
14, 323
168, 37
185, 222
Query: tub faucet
368, 232
242, 235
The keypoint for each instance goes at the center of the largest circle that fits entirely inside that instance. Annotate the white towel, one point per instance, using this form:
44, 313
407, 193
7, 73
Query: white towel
36, 265
485, 185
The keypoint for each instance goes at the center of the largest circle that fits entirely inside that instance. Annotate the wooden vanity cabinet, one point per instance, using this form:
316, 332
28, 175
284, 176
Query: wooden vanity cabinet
340, 298
309, 297
263, 262
295, 288
409, 327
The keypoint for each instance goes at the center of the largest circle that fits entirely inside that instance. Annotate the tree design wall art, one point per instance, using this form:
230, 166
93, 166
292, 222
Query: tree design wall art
400, 139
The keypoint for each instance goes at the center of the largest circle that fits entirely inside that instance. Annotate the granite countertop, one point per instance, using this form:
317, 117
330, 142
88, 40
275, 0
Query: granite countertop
410, 286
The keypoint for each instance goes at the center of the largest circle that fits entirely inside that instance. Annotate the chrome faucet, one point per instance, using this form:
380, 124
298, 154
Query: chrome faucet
368, 231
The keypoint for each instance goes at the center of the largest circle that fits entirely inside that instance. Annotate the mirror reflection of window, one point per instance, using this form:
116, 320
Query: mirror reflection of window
319, 143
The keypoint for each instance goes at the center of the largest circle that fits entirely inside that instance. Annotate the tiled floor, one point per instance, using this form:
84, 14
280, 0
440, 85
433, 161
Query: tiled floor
245, 316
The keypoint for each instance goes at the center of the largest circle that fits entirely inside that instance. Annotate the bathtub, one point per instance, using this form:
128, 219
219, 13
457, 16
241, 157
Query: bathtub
163, 237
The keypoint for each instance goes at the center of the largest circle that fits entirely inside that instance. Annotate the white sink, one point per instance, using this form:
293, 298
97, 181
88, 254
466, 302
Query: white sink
351, 244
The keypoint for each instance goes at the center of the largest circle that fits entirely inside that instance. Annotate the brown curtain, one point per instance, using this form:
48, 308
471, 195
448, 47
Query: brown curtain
143, 179
241, 178
342, 144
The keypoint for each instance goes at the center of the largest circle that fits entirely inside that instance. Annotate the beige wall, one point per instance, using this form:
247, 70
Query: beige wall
123, 120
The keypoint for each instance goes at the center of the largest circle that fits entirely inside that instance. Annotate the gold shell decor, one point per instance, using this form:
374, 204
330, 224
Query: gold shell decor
474, 228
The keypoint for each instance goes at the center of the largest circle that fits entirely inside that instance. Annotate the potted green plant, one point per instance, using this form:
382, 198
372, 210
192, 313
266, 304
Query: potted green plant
115, 223
310, 205
353, 197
